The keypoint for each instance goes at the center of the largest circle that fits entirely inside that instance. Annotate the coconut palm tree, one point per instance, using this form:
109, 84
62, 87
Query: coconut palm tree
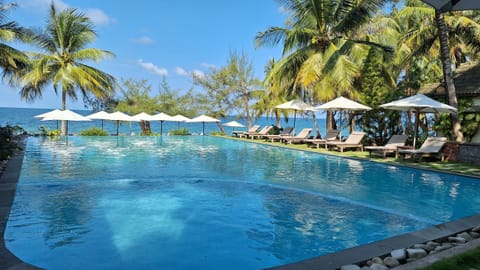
12, 61
61, 63
449, 36
321, 50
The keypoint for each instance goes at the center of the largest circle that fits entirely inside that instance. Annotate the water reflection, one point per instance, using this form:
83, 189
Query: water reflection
160, 198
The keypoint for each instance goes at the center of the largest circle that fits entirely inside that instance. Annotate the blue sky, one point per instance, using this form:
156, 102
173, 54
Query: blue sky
156, 38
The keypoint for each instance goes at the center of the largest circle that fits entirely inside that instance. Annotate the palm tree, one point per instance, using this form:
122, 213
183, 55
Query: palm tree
321, 50
67, 34
12, 61
435, 33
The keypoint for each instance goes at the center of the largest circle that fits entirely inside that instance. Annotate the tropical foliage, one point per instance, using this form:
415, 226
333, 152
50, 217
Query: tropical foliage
231, 89
322, 51
12, 61
8, 146
61, 63
358, 49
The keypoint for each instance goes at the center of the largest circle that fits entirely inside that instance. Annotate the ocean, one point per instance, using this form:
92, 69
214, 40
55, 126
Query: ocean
24, 117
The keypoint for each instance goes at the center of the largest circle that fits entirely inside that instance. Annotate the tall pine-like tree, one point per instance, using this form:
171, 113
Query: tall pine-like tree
378, 123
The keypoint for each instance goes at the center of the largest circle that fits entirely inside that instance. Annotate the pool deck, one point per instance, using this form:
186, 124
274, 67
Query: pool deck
8, 187
8, 261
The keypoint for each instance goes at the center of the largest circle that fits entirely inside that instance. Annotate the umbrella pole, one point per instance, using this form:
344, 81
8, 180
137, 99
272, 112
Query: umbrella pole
294, 118
102, 123
415, 131
203, 128
161, 128
118, 124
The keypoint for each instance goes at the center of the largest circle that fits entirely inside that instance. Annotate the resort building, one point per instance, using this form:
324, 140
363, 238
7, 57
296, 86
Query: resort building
467, 85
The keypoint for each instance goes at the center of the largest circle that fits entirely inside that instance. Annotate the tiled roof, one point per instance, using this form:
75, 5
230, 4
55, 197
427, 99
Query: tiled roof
467, 82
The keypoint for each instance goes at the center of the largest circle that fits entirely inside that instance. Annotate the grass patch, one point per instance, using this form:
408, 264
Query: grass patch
465, 261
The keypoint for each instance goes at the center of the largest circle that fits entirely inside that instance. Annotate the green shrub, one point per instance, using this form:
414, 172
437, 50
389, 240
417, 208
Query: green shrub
44, 131
218, 133
181, 131
93, 132
7, 142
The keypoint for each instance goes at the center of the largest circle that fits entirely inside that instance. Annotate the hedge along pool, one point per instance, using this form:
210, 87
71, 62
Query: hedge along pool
212, 203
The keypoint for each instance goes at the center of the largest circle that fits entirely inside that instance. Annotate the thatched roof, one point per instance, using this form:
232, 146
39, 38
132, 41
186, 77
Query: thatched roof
467, 82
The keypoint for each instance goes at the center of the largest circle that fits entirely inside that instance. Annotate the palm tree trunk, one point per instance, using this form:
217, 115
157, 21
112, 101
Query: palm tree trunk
315, 125
64, 107
447, 73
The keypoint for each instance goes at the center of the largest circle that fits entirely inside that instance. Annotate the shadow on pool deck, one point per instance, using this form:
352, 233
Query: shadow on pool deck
8, 261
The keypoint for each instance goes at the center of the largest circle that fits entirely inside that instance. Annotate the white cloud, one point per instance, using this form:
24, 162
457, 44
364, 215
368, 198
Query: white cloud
144, 40
98, 17
180, 71
198, 73
153, 68
207, 65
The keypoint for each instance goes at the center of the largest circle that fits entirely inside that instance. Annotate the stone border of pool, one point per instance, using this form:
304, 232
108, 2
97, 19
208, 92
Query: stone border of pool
363, 253
8, 187
355, 255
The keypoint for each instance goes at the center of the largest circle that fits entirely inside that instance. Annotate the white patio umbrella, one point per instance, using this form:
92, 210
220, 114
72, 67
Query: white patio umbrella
46, 114
451, 5
65, 115
101, 115
203, 119
162, 117
179, 118
120, 116
233, 124
296, 105
419, 104
342, 104
143, 116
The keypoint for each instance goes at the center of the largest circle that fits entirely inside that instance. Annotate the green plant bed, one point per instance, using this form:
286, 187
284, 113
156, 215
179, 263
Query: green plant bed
44, 131
93, 132
7, 141
465, 261
181, 131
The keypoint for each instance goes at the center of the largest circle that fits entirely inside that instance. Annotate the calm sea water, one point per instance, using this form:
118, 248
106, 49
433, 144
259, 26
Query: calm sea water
25, 118
203, 202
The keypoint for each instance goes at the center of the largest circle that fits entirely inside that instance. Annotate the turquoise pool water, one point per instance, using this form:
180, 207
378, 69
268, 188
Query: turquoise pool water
211, 203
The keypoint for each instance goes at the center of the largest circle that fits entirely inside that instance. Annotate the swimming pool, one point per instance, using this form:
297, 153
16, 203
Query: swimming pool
211, 203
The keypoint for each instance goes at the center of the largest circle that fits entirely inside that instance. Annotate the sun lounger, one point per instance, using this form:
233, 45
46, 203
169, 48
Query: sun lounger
353, 141
391, 146
332, 136
302, 135
259, 134
251, 130
431, 147
278, 137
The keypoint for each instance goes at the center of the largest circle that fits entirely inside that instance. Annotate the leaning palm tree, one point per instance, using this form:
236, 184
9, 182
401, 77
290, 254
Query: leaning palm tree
12, 61
67, 34
321, 50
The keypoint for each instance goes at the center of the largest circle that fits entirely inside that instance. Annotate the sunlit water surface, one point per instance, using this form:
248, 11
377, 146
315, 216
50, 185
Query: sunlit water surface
211, 203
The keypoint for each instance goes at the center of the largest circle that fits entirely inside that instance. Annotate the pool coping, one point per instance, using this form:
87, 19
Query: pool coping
358, 254
8, 187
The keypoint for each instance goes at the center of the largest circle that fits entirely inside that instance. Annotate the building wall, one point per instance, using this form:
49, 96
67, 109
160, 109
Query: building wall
476, 138
469, 152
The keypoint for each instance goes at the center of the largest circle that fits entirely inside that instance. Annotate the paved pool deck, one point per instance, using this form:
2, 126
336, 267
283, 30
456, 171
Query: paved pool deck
8, 187
8, 261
